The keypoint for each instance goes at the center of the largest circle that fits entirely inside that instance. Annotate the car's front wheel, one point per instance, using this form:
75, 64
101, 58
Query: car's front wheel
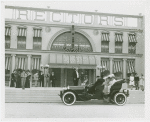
69, 98
120, 99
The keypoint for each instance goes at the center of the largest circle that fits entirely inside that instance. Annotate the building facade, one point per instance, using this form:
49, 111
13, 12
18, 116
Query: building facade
65, 39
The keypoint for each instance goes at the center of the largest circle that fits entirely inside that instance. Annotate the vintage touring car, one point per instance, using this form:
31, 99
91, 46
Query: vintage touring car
117, 95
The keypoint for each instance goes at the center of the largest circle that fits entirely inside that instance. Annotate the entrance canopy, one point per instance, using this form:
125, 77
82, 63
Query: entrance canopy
72, 60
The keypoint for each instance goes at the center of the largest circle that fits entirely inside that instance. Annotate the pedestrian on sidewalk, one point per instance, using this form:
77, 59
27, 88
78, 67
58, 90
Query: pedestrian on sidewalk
13, 79
136, 79
36, 78
131, 82
41, 79
142, 82
23, 79
53, 79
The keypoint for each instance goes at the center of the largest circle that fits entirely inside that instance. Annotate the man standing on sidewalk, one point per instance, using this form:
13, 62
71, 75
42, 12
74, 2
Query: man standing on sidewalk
23, 79
75, 77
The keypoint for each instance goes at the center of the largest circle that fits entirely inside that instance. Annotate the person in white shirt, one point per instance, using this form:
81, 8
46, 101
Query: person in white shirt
131, 83
36, 79
75, 77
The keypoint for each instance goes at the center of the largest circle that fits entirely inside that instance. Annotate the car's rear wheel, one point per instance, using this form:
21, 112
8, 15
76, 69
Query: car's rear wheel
69, 98
120, 99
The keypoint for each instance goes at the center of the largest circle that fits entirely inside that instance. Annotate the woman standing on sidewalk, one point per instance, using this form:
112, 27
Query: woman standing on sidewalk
131, 82
142, 82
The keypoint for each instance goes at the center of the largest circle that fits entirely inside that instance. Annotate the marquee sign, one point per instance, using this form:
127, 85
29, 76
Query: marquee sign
64, 16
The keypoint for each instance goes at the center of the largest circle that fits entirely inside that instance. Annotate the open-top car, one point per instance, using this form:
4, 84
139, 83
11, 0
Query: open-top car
117, 95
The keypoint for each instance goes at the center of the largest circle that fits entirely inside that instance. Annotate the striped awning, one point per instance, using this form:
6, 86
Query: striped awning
118, 37
132, 38
117, 66
105, 37
7, 31
105, 64
36, 63
7, 63
37, 32
21, 63
130, 66
22, 31
72, 60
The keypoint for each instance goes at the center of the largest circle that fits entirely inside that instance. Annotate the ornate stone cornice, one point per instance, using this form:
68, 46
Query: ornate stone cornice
40, 52
67, 25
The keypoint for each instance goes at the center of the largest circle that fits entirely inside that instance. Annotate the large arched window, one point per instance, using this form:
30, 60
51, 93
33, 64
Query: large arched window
64, 42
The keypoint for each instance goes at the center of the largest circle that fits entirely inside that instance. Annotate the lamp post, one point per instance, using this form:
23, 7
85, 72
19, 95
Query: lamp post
101, 67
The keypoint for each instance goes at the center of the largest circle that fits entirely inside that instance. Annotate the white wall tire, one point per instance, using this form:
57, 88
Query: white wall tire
120, 99
69, 98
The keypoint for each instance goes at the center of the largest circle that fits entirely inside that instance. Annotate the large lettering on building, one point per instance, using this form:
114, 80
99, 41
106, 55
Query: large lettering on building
76, 17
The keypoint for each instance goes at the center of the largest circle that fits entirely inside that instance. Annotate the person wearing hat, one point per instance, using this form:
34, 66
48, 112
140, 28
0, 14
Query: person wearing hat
23, 79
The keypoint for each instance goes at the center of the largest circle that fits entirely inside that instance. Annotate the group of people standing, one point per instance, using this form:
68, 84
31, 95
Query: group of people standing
136, 81
20, 79
39, 79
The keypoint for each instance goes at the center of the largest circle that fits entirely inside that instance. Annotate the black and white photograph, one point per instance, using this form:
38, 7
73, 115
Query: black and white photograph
73, 59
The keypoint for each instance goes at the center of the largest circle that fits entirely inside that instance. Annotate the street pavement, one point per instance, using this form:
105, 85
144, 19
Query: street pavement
88, 109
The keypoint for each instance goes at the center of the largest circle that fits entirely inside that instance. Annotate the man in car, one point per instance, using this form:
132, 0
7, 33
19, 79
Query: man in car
97, 87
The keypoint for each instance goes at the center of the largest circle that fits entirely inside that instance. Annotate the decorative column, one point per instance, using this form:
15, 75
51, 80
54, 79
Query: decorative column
62, 77
29, 61
29, 38
125, 43
13, 40
98, 63
13, 62
29, 68
111, 65
112, 42
96, 19
124, 67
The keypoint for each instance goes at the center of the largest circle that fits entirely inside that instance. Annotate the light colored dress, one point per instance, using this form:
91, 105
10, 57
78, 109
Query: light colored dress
131, 81
141, 81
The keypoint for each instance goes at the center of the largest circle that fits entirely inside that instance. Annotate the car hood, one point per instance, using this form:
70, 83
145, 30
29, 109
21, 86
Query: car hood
75, 87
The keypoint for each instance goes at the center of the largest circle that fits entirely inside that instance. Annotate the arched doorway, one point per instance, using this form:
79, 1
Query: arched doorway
64, 42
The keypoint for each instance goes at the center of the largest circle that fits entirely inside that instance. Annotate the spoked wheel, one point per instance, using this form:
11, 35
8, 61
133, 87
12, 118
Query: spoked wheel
69, 98
120, 99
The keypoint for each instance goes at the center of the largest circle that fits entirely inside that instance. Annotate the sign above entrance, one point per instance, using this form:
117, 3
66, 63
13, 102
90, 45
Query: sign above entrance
76, 17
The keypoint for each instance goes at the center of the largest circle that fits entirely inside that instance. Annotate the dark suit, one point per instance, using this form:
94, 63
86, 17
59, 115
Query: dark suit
53, 78
136, 79
97, 88
41, 79
75, 79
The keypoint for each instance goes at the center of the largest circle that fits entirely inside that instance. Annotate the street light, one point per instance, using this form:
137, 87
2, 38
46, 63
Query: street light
101, 67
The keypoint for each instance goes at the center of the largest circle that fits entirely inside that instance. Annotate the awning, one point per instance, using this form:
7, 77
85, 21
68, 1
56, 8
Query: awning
37, 32
36, 63
7, 63
7, 31
105, 64
22, 31
117, 66
118, 37
105, 37
72, 60
21, 63
132, 38
130, 66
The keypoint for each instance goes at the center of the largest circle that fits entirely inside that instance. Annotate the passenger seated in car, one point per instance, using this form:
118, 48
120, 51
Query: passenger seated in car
109, 82
97, 85
106, 85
